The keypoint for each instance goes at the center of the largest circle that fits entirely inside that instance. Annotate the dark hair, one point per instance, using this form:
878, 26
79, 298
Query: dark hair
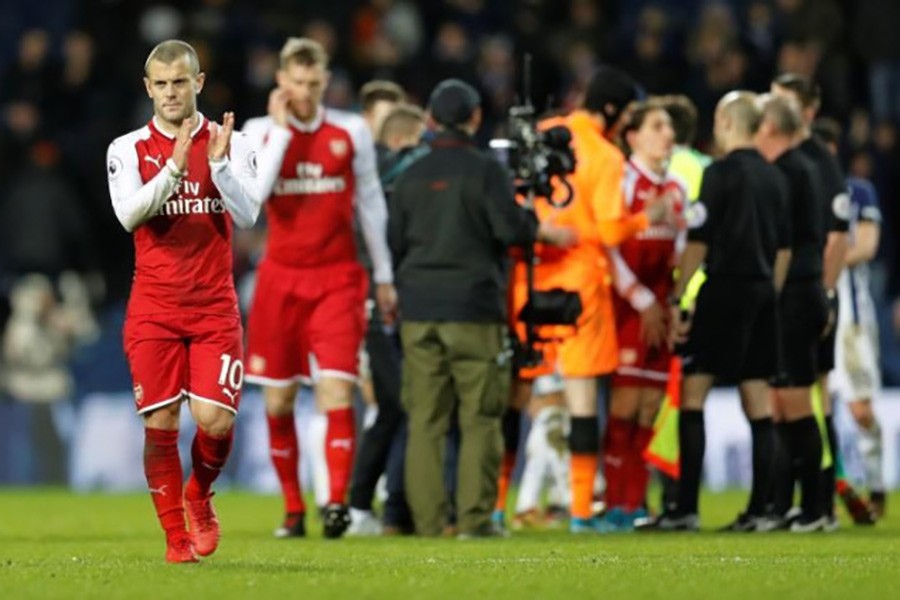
808, 93
380, 90
827, 130
637, 115
609, 92
684, 117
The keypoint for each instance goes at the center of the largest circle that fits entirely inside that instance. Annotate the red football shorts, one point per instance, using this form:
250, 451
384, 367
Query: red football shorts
178, 354
639, 366
306, 323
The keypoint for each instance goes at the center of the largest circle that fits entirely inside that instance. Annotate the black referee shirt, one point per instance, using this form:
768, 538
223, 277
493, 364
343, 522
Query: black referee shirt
837, 197
742, 216
807, 208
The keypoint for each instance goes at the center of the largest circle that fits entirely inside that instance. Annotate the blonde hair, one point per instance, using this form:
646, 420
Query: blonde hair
404, 119
303, 51
169, 51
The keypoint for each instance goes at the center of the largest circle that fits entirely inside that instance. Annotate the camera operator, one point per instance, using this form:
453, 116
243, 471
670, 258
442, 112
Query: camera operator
452, 217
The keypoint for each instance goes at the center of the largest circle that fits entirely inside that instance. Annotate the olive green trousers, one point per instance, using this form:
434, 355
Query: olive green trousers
449, 365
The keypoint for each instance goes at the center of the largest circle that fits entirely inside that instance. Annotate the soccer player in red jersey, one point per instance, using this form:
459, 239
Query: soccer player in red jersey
307, 323
644, 281
178, 183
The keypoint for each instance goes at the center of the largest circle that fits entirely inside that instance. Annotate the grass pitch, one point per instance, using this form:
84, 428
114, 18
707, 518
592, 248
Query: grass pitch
55, 544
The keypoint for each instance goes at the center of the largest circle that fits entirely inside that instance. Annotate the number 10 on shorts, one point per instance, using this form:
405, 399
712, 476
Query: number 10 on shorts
232, 372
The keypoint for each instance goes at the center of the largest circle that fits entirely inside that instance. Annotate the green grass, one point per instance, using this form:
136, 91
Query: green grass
57, 544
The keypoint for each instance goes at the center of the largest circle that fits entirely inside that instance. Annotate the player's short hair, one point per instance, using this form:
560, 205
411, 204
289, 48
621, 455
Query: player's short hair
404, 119
684, 117
808, 93
827, 130
637, 115
380, 90
169, 51
782, 113
743, 108
303, 51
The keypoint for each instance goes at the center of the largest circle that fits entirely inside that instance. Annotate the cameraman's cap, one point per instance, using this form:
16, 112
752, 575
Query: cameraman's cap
610, 86
452, 102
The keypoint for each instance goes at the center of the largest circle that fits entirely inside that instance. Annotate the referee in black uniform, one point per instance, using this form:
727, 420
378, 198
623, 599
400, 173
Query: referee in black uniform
836, 209
740, 228
803, 312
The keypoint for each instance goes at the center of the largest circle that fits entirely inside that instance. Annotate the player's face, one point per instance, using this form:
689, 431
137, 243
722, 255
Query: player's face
378, 112
173, 88
305, 85
655, 138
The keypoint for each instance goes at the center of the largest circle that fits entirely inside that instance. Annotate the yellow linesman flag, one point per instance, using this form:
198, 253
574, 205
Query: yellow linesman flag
662, 451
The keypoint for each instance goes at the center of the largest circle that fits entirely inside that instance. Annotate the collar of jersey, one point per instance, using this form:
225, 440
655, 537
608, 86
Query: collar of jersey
646, 171
308, 127
200, 123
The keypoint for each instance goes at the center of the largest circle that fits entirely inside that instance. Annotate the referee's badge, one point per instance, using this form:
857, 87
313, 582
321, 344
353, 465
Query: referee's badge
696, 215
841, 206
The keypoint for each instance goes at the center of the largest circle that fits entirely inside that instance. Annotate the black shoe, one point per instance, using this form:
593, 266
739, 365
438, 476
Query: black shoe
859, 510
809, 524
294, 526
743, 524
335, 521
670, 521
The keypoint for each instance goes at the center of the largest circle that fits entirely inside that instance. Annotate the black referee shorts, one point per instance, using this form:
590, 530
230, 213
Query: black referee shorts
802, 315
733, 335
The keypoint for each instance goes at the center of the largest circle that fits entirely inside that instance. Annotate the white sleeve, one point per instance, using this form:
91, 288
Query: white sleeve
627, 285
235, 176
272, 141
134, 201
371, 207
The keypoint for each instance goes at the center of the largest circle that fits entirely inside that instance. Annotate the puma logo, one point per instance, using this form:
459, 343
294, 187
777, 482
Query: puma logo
280, 452
154, 159
345, 443
161, 490
231, 395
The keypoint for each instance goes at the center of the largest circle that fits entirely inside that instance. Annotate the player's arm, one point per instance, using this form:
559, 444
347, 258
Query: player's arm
134, 201
627, 284
866, 237
232, 163
641, 299
836, 246
371, 208
867, 234
271, 136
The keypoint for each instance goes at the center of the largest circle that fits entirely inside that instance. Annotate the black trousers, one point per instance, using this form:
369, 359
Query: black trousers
375, 446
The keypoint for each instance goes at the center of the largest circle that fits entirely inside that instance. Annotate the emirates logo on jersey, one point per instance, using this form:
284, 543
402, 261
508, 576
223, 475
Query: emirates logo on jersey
338, 148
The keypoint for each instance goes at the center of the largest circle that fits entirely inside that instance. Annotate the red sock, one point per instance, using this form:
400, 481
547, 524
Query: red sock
285, 455
616, 443
208, 455
506, 469
340, 440
637, 475
162, 466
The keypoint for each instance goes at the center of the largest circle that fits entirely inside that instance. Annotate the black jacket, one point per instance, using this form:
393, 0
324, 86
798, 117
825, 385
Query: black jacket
452, 217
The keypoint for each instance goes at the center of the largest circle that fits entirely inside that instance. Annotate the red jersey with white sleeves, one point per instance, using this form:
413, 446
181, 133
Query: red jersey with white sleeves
649, 256
182, 222
312, 175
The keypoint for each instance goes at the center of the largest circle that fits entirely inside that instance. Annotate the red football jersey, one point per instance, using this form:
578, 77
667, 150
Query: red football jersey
317, 173
651, 253
182, 225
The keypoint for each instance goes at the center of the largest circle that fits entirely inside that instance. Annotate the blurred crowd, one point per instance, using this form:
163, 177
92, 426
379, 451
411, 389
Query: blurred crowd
70, 82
